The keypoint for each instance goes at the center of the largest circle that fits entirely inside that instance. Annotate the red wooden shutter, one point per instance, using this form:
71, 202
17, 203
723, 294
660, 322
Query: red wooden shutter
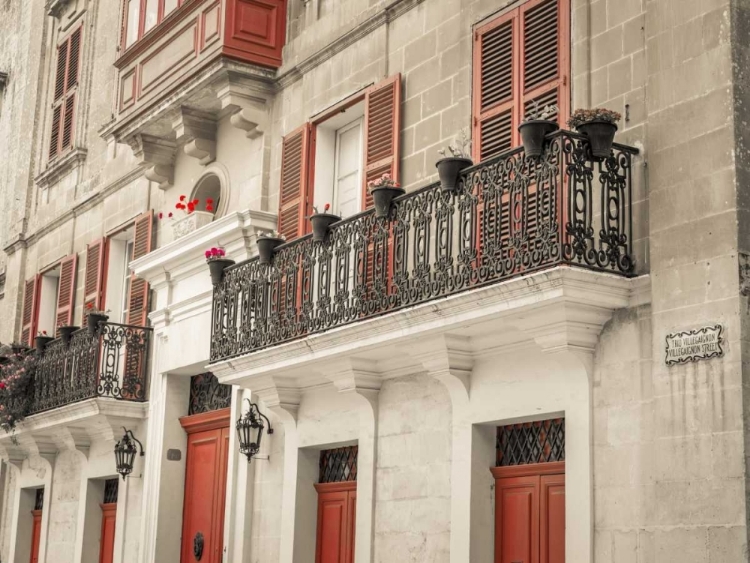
520, 57
66, 82
66, 291
382, 133
138, 297
30, 310
95, 282
294, 200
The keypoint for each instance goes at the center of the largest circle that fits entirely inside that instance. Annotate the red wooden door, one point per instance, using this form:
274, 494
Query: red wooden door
36, 533
530, 514
107, 539
205, 487
337, 507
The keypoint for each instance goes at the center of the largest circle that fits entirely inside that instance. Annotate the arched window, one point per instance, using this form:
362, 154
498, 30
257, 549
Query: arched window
208, 188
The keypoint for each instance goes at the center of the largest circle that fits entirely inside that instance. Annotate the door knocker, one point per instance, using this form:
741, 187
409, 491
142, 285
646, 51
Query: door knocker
198, 546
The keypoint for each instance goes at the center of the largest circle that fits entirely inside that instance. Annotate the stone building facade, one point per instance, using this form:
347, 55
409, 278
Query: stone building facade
418, 380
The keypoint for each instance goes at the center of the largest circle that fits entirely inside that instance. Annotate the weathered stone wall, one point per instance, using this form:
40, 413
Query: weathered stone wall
63, 516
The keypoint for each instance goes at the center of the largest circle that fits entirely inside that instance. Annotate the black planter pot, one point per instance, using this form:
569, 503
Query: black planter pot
321, 222
449, 169
266, 248
533, 133
93, 320
383, 196
601, 135
41, 343
66, 332
217, 266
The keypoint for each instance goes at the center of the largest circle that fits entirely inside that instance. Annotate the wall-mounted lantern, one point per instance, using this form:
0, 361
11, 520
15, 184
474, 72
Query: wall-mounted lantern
250, 429
125, 451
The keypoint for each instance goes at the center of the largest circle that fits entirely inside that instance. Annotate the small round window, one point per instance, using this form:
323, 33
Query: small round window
208, 194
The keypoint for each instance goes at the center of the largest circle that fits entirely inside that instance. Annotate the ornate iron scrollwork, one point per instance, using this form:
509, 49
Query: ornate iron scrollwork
509, 216
207, 394
198, 543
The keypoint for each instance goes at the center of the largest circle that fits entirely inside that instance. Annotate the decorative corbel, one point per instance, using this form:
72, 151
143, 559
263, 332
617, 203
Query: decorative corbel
197, 132
247, 112
281, 399
71, 440
157, 156
449, 359
354, 375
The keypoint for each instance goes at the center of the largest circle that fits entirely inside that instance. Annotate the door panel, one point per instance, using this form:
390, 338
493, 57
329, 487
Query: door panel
517, 520
36, 532
552, 519
205, 487
332, 516
107, 539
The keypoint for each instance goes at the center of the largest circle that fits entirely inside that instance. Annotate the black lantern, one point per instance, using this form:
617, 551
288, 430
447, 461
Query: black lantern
250, 429
125, 451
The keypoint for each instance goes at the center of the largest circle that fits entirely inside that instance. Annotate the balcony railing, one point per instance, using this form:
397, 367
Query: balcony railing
111, 365
509, 216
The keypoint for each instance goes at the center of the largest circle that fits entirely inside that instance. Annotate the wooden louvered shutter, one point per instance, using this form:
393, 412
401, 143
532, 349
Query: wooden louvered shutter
294, 199
30, 315
545, 53
138, 297
520, 57
66, 291
66, 82
95, 282
495, 88
382, 133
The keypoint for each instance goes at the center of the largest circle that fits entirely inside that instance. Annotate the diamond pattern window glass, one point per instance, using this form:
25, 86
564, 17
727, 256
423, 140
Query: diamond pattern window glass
531, 442
338, 465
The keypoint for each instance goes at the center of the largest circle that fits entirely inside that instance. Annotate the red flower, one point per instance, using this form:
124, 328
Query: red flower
2, 385
208, 254
209, 207
170, 214
182, 198
215, 251
327, 207
209, 201
191, 207
161, 215
180, 206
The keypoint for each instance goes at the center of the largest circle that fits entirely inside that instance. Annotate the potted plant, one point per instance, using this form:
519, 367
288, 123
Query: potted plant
449, 167
321, 222
267, 243
15, 376
217, 263
66, 331
95, 316
192, 218
41, 341
535, 128
383, 190
599, 125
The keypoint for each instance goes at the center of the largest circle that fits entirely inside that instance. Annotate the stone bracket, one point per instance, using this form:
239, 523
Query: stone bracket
281, 398
248, 112
157, 156
448, 358
197, 132
352, 375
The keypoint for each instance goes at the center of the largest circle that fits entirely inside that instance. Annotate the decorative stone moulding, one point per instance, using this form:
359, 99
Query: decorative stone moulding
190, 223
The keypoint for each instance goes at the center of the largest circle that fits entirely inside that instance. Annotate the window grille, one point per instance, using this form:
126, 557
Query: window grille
207, 394
111, 488
338, 465
531, 442
39, 502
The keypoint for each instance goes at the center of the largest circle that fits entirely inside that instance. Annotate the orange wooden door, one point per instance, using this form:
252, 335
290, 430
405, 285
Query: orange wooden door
36, 533
205, 491
529, 517
337, 506
107, 539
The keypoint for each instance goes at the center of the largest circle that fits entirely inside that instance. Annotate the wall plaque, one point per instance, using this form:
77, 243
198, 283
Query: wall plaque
694, 345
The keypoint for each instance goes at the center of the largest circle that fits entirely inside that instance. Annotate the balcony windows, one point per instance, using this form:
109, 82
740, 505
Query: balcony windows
118, 275
48, 294
141, 16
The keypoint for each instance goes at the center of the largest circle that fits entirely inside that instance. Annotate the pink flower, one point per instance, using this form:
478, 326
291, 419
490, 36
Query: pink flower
214, 251
327, 207
208, 254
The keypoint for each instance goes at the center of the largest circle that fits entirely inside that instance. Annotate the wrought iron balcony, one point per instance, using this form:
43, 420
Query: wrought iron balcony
111, 365
508, 217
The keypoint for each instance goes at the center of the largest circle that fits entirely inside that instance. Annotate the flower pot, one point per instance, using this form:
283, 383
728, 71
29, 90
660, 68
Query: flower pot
66, 332
533, 133
93, 320
190, 223
321, 222
449, 169
601, 135
383, 196
217, 266
41, 343
266, 248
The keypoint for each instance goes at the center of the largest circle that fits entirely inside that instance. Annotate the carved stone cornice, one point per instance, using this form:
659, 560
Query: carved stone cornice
60, 167
196, 131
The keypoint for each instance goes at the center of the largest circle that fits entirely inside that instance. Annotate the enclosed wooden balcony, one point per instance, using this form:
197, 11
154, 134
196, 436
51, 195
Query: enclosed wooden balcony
178, 72
509, 217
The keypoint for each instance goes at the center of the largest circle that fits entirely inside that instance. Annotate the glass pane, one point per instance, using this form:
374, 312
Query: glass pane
152, 14
134, 9
169, 5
